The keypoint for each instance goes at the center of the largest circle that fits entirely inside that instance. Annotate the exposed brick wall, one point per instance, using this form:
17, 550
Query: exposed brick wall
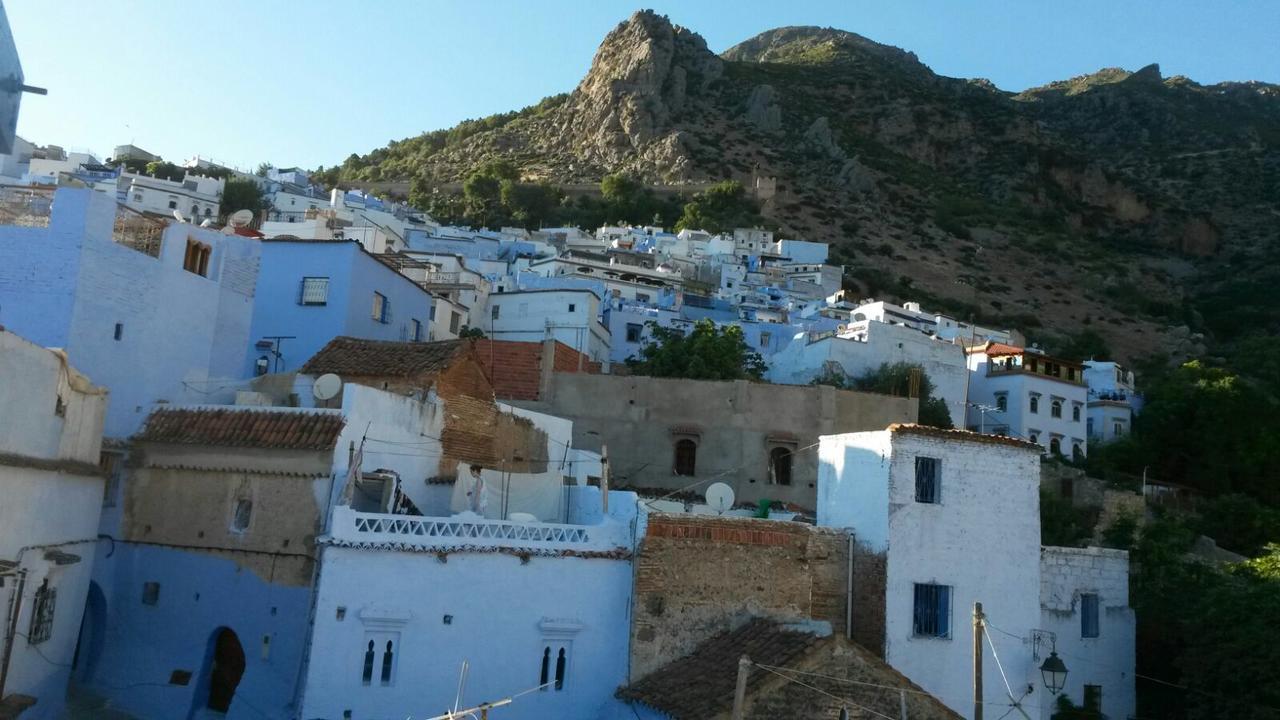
515, 368
699, 575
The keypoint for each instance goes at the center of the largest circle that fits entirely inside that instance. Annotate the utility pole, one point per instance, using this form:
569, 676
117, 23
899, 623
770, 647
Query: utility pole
977, 661
740, 690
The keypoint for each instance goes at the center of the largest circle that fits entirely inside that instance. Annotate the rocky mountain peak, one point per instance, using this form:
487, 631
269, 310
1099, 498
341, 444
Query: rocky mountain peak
641, 79
811, 45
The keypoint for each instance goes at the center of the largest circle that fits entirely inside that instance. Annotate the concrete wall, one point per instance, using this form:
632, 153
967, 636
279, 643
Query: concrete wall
982, 540
51, 499
878, 343
132, 649
533, 316
495, 610
354, 276
1107, 660
735, 425
181, 335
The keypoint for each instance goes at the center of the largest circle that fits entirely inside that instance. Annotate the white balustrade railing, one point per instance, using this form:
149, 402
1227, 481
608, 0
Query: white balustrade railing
426, 528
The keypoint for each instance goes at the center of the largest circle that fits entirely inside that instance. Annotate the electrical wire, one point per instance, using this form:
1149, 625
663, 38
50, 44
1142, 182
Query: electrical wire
824, 692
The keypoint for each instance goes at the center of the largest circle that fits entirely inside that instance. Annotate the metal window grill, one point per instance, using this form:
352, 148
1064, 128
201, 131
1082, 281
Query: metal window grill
927, 485
42, 609
932, 617
315, 291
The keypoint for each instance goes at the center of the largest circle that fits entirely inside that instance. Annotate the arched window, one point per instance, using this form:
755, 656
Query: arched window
560, 663
780, 466
1035, 404
686, 457
546, 668
1055, 409
1055, 446
1075, 413
387, 659
1002, 402
208, 212
1034, 438
367, 677
1077, 452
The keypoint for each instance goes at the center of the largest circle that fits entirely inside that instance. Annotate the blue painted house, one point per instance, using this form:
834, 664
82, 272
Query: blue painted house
311, 291
154, 312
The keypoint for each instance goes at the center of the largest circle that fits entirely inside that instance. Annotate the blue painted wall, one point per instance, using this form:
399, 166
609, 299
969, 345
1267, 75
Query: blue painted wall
69, 285
142, 645
354, 276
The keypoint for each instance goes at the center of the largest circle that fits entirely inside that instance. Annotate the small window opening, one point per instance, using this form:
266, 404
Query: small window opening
368, 664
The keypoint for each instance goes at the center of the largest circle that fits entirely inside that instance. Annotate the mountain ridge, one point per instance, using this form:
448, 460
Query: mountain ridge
1119, 204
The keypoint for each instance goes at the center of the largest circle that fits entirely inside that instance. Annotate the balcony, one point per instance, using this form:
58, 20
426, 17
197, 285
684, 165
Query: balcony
416, 533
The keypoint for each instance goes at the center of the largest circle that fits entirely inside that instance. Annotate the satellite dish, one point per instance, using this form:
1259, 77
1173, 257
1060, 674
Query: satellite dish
206, 223
327, 386
177, 214
240, 218
719, 497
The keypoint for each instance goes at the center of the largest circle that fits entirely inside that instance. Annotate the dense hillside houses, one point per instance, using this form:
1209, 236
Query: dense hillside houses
324, 449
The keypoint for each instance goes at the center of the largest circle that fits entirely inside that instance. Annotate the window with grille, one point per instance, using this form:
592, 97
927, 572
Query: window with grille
634, 331
454, 321
243, 514
1088, 615
928, 488
1035, 404
42, 609
1055, 408
315, 291
932, 616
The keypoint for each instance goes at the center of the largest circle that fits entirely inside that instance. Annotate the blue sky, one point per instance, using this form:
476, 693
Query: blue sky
307, 83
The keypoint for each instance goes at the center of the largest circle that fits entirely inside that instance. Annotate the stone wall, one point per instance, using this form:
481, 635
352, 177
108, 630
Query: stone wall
735, 426
699, 575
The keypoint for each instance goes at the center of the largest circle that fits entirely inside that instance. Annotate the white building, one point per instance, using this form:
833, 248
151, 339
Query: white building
570, 316
1026, 394
197, 197
626, 282
1113, 400
1084, 605
52, 490
863, 347
956, 518
943, 326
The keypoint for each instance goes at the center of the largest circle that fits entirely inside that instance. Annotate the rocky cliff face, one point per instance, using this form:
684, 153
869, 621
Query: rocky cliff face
1139, 207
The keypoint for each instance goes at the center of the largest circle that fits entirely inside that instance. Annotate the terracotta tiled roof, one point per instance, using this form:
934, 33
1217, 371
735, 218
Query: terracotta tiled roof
244, 427
995, 348
965, 435
700, 685
348, 356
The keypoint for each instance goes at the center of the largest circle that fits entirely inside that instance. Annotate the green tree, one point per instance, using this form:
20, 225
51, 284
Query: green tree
897, 379
530, 205
240, 194
720, 208
709, 352
263, 168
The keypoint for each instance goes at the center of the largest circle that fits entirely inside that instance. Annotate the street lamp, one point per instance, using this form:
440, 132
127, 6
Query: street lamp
1054, 672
